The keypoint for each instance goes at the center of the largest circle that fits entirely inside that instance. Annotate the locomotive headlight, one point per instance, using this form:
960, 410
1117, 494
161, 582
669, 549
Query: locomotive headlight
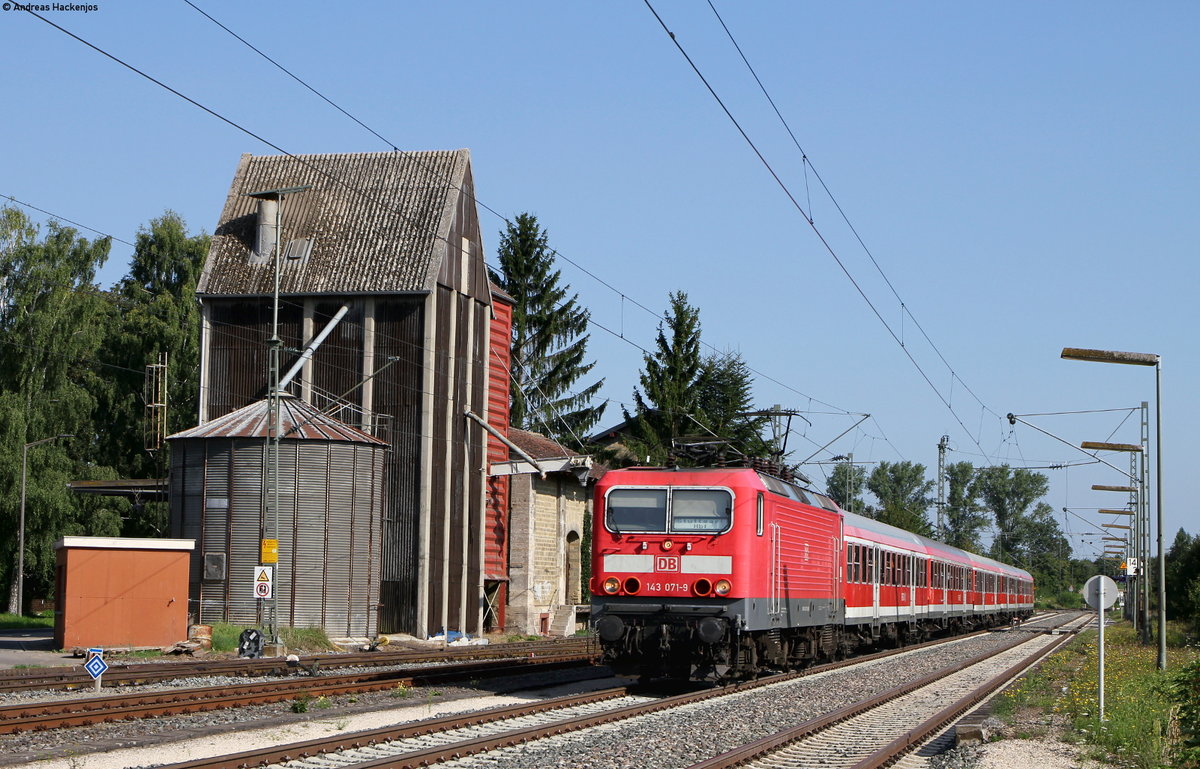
723, 587
612, 585
667, 544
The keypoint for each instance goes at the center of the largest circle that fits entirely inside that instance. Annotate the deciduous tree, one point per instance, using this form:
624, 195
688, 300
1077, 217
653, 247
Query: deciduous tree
846, 485
964, 516
1008, 494
52, 321
903, 493
156, 313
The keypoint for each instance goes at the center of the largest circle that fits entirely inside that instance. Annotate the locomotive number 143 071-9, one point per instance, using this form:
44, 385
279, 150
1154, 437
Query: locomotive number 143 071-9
665, 587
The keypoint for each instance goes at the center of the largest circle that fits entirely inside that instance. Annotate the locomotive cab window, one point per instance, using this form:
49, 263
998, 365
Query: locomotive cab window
636, 510
680, 511
700, 511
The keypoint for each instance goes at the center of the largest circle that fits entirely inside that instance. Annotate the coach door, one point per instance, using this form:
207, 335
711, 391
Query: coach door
913, 563
874, 555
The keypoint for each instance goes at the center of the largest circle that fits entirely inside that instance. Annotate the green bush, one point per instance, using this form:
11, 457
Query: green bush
1184, 689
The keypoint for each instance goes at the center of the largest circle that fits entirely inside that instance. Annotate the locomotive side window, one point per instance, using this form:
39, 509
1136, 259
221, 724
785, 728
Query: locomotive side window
759, 525
701, 511
636, 510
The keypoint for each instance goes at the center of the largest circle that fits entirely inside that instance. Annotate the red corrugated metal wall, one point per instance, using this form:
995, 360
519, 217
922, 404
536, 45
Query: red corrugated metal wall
495, 547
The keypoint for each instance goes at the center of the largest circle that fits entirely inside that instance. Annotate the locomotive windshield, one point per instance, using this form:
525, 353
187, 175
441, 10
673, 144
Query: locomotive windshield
691, 511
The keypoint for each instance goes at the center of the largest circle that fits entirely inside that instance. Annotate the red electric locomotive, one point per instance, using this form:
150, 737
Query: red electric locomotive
720, 573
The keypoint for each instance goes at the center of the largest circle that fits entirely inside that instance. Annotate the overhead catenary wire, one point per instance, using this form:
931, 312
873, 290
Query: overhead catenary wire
57, 217
336, 180
808, 164
812, 225
556, 253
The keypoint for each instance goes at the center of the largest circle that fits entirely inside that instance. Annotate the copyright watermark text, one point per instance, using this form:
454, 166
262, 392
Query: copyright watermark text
51, 7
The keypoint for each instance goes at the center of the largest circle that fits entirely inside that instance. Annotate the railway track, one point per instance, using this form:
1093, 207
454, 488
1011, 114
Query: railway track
876, 731
58, 714
427, 742
75, 677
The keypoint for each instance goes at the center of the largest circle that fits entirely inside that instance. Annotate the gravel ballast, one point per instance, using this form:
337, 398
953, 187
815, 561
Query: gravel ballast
676, 738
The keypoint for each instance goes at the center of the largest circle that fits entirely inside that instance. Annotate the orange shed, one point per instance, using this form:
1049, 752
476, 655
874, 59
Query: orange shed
122, 592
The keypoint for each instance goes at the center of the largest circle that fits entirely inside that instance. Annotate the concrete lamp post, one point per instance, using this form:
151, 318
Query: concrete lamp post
1143, 359
20, 576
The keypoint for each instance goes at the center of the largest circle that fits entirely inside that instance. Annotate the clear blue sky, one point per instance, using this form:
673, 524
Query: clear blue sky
1025, 174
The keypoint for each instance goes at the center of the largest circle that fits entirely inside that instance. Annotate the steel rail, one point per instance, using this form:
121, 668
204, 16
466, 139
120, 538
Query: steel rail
424, 757
74, 676
772, 743
85, 712
927, 728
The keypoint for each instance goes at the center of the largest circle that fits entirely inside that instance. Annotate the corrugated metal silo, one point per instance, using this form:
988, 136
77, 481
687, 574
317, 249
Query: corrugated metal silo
330, 510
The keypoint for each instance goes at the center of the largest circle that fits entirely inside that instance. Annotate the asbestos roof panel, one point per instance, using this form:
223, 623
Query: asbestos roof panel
539, 446
298, 421
378, 222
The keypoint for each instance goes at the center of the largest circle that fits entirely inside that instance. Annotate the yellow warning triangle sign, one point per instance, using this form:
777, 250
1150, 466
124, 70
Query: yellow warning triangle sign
262, 576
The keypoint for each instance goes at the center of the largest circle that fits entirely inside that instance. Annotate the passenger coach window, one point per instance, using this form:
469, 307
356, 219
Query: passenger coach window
636, 510
702, 511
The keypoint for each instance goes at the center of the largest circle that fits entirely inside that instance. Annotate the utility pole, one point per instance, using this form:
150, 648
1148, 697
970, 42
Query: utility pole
850, 476
941, 498
270, 235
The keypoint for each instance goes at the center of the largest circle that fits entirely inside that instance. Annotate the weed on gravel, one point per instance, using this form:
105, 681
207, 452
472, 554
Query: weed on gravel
1062, 700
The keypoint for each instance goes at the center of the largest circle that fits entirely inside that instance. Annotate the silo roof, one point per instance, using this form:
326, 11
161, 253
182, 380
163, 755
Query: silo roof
298, 421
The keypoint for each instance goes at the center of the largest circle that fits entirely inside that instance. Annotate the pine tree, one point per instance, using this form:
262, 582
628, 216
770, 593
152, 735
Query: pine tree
664, 407
724, 400
549, 340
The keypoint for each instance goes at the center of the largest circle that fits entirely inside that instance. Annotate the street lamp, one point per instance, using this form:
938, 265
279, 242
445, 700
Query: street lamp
1143, 359
1138, 614
20, 580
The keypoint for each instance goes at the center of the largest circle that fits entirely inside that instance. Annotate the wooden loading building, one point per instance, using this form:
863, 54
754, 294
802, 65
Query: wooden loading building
386, 248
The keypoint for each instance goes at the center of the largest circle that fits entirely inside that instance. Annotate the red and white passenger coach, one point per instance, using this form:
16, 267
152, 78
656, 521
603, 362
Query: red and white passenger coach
719, 573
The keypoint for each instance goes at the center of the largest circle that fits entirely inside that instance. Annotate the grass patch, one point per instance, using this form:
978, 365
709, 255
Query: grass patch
225, 638
21, 622
309, 639
1139, 728
513, 638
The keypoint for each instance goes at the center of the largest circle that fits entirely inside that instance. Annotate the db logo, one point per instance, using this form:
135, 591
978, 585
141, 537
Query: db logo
666, 563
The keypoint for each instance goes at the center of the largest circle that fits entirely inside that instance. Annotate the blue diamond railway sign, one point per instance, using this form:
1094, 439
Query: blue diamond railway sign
96, 666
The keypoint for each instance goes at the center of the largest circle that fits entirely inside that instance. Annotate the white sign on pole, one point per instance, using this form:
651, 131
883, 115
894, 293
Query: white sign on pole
263, 581
1091, 592
1100, 592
